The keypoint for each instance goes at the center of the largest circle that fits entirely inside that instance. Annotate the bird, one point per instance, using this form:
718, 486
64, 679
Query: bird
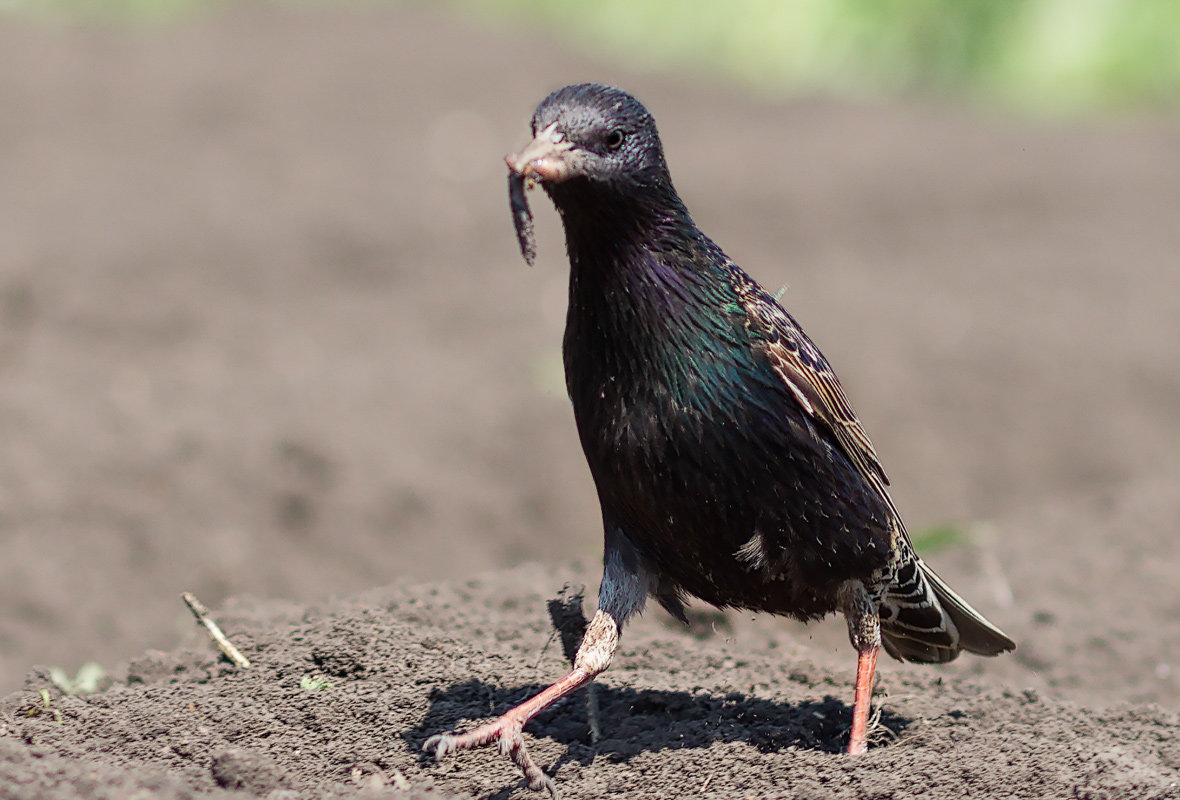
729, 464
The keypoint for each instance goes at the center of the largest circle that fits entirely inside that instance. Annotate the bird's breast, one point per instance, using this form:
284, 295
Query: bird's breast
653, 397
697, 449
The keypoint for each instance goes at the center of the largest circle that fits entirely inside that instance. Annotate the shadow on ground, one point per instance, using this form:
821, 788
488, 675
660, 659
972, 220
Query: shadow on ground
654, 720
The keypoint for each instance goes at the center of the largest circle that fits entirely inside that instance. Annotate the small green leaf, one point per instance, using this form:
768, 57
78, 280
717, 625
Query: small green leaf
45, 708
314, 683
86, 681
88, 677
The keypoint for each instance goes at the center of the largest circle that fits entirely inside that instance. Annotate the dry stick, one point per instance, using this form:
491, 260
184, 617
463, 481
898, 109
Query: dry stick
202, 615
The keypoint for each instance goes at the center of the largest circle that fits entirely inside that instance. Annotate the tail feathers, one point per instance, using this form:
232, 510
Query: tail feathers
976, 634
923, 620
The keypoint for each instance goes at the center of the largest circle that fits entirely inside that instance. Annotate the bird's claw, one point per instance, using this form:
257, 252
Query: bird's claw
441, 744
506, 732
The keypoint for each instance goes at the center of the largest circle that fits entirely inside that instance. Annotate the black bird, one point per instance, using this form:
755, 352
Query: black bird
729, 464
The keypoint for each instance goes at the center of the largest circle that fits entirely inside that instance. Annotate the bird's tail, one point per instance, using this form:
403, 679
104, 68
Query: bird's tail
923, 620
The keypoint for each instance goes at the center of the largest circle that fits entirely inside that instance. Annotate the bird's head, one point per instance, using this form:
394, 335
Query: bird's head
592, 139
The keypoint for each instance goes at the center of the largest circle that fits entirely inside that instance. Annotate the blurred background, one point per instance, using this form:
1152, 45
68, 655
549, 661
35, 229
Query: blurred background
264, 329
1038, 57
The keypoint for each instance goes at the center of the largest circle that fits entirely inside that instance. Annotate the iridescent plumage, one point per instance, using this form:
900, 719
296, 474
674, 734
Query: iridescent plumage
728, 461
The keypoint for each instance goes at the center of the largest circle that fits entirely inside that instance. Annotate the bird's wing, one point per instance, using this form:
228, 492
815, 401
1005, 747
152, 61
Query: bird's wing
807, 374
927, 622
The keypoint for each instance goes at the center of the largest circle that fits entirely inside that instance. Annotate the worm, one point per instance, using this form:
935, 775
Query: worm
522, 215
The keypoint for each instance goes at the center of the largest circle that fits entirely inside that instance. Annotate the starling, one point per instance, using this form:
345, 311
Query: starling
728, 461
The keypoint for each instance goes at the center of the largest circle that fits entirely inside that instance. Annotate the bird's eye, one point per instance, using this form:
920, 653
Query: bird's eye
614, 139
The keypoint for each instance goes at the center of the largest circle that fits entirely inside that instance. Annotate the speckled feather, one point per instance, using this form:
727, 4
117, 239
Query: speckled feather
723, 448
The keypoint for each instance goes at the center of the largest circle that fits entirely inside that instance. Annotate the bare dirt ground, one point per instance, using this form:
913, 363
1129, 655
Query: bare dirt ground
264, 334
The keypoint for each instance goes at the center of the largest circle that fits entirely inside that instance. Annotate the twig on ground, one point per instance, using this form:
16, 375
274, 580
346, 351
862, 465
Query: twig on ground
202, 615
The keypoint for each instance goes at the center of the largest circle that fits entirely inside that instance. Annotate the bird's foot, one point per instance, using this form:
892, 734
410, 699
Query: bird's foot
507, 731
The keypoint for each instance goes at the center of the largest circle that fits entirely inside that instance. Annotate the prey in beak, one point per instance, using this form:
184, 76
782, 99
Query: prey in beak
544, 159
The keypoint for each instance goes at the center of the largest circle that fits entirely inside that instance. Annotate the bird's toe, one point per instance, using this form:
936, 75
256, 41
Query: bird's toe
439, 744
505, 732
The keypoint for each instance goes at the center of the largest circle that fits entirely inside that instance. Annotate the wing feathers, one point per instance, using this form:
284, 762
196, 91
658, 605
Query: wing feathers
807, 375
922, 619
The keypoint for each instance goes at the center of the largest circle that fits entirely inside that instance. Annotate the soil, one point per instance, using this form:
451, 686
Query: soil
265, 336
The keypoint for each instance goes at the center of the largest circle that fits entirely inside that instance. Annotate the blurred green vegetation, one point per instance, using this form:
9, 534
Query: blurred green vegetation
1046, 56
119, 10
939, 537
1039, 56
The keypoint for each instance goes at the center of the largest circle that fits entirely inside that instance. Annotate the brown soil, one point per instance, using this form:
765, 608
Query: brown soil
264, 333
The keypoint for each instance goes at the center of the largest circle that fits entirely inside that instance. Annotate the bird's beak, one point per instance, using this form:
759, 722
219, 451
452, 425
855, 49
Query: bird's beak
547, 158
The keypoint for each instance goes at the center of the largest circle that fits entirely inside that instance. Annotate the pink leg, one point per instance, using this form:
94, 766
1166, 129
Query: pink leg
864, 631
507, 731
866, 665
594, 656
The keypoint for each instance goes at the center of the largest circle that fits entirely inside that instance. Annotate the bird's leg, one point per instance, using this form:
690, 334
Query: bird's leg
864, 631
624, 588
594, 655
866, 665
